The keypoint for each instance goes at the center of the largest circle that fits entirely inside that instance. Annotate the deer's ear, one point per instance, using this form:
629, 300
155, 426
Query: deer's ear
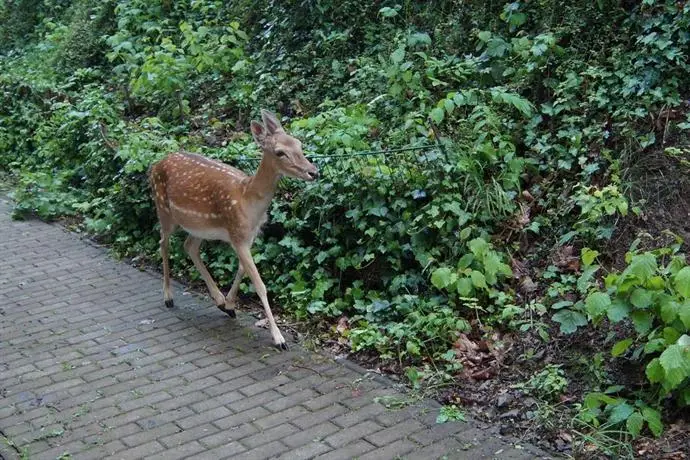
271, 122
259, 133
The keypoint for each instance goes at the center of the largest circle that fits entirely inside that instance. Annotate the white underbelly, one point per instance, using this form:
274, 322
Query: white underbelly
209, 233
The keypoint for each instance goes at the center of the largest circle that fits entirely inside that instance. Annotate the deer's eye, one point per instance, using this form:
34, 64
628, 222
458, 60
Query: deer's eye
280, 153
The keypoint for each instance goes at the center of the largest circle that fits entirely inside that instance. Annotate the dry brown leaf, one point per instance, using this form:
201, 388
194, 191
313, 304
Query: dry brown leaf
343, 325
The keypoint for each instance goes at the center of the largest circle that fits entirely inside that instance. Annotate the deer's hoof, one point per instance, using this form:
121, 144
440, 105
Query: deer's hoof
169, 303
282, 346
230, 312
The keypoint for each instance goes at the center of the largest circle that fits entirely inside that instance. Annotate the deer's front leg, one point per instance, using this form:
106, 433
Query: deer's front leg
246, 261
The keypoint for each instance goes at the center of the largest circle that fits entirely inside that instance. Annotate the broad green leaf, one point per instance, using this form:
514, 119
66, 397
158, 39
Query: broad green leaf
398, 55
642, 321
437, 115
465, 233
497, 48
641, 298
682, 282
412, 348
656, 283
653, 419
655, 345
478, 246
443, 277
618, 310
620, 413
484, 35
676, 363
684, 397
684, 313
465, 261
595, 399
671, 336
621, 347
597, 303
588, 256
478, 279
669, 309
388, 12
643, 266
569, 320
464, 286
654, 371
419, 38
584, 281
561, 304
634, 424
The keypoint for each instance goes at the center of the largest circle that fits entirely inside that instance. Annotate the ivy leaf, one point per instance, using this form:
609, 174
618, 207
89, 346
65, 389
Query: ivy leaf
569, 320
621, 347
634, 424
597, 303
682, 282
653, 419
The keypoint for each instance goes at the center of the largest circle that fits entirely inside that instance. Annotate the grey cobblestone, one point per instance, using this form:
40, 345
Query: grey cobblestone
93, 365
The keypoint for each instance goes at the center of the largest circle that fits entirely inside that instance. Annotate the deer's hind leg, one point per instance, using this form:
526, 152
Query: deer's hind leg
167, 227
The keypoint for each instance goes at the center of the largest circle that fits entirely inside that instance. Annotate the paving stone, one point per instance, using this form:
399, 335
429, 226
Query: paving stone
357, 431
349, 451
317, 432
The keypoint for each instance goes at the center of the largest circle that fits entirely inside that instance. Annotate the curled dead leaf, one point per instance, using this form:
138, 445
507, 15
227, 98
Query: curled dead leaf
343, 325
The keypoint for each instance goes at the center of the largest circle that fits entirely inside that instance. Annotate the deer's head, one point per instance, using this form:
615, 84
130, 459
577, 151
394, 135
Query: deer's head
281, 150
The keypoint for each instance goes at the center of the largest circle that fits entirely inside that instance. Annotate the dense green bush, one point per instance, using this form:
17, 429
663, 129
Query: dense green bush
535, 110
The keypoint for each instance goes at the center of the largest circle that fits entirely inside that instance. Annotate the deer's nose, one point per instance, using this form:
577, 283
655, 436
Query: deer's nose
314, 174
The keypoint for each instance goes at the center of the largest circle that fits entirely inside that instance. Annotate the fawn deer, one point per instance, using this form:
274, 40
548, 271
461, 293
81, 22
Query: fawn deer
213, 201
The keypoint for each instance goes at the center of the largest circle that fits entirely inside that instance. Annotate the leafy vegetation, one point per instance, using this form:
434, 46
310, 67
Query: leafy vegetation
532, 123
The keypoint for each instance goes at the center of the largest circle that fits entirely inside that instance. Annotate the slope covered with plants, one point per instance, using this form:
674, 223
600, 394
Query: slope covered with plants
529, 254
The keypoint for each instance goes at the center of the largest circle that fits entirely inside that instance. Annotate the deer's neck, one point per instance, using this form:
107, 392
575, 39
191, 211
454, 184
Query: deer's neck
262, 186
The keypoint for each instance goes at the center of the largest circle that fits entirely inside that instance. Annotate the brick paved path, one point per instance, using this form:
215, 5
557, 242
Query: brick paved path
92, 365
